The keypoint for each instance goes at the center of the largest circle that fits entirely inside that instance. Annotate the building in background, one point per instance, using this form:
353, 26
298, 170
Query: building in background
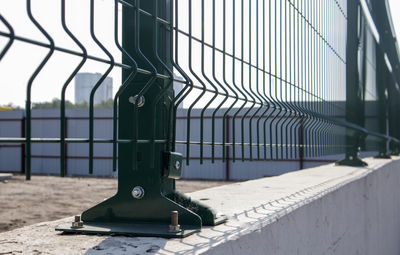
84, 83
178, 86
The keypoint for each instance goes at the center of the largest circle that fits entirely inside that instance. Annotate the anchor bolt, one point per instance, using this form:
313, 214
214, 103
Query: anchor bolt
174, 227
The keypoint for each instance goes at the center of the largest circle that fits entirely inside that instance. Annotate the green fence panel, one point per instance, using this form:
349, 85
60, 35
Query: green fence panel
260, 81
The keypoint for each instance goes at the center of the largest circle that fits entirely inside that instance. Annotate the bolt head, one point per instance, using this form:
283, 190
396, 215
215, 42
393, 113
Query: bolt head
134, 100
138, 192
177, 165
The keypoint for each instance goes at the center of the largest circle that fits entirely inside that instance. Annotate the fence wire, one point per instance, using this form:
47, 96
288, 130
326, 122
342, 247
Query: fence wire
260, 80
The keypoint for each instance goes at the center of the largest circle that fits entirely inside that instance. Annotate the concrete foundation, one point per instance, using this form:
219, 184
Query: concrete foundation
323, 210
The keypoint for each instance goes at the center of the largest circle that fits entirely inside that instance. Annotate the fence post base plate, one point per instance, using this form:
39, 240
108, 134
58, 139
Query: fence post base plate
355, 161
382, 156
130, 229
150, 216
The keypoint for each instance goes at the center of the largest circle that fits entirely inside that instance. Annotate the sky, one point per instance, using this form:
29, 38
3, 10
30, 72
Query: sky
18, 65
395, 8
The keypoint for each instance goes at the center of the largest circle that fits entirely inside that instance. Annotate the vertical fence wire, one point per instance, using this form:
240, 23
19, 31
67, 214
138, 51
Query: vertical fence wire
271, 74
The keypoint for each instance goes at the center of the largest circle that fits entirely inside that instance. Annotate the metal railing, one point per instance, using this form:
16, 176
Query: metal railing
281, 73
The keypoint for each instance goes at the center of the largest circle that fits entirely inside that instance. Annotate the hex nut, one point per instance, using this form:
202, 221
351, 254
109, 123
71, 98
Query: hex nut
77, 222
175, 229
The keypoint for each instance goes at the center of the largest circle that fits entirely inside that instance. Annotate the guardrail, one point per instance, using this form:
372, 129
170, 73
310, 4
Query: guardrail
277, 68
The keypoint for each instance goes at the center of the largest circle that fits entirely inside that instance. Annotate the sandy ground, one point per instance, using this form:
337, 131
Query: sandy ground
47, 198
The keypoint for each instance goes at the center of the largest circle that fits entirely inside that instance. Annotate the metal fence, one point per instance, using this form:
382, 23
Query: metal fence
46, 157
281, 73
284, 67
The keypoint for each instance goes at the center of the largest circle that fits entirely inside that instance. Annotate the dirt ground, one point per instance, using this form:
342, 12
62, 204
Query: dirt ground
47, 198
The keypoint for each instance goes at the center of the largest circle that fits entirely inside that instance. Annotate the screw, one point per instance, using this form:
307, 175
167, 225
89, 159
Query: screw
174, 227
177, 165
77, 222
138, 192
140, 102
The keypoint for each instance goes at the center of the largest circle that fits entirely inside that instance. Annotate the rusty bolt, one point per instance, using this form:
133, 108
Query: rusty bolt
77, 222
174, 218
174, 227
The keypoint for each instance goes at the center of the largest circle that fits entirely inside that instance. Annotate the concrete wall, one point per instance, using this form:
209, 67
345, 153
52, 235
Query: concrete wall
359, 216
45, 157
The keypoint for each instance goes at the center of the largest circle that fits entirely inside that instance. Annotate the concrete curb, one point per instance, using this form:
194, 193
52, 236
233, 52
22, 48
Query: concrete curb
5, 176
278, 215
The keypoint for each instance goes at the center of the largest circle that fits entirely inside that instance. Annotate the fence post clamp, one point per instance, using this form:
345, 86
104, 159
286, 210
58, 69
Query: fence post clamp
173, 165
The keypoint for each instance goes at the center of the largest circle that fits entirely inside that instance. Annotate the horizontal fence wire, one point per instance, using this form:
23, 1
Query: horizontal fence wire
258, 79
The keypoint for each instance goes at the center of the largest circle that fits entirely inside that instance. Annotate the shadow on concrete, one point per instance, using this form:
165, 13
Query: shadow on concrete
238, 225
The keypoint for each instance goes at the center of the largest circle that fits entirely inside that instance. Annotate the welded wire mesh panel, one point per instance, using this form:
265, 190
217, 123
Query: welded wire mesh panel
267, 79
50, 42
253, 80
273, 71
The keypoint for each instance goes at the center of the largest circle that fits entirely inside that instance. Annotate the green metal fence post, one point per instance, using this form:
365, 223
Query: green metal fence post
354, 89
394, 120
383, 78
389, 78
146, 196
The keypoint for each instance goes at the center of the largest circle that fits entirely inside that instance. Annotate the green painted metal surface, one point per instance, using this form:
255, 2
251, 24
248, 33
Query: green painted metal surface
151, 167
355, 87
129, 229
